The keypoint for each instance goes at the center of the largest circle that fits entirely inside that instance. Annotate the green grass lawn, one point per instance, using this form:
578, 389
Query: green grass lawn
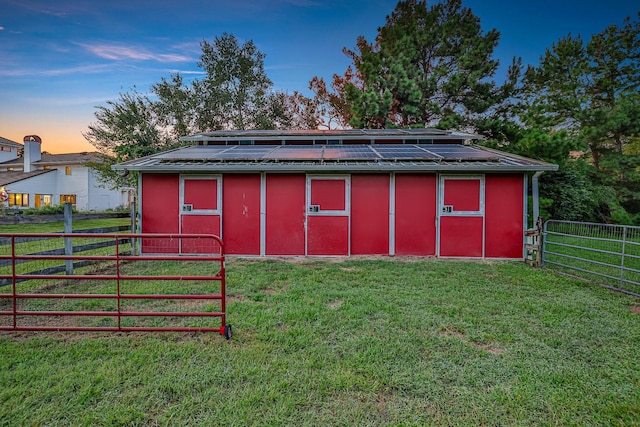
351, 342
58, 226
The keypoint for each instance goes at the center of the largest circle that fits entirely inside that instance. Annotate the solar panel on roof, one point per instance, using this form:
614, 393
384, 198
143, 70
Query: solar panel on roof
295, 152
192, 153
319, 153
348, 153
404, 152
244, 152
462, 152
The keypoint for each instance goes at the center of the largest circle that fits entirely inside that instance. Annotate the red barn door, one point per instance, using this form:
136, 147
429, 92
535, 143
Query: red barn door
241, 214
200, 208
370, 214
461, 207
415, 214
285, 214
328, 215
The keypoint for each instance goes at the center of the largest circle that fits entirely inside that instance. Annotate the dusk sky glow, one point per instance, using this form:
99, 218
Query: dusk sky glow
58, 60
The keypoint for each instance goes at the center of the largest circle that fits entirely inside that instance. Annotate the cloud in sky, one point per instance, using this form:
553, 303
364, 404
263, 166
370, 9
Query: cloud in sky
1, 28
58, 13
116, 53
35, 71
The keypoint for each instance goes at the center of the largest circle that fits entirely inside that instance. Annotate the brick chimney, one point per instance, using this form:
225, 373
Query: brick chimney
32, 151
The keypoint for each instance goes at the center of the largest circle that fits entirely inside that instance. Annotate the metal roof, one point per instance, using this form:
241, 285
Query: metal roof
324, 135
332, 158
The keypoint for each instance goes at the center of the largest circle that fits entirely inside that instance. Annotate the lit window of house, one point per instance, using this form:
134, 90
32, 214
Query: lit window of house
67, 170
68, 198
43, 200
19, 199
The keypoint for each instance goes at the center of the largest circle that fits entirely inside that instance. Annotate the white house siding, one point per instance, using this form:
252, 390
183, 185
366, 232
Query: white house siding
82, 183
101, 199
8, 155
40, 184
76, 183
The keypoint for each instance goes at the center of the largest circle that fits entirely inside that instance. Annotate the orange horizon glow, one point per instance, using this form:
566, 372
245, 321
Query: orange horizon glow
60, 142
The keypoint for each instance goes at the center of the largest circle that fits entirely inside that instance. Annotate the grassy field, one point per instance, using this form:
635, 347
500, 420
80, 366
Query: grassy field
596, 252
55, 227
351, 342
37, 245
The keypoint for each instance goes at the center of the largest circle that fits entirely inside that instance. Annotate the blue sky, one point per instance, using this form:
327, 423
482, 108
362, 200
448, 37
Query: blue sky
59, 59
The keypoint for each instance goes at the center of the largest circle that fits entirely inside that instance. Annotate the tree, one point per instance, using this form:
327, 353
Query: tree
590, 90
327, 109
235, 94
127, 128
427, 67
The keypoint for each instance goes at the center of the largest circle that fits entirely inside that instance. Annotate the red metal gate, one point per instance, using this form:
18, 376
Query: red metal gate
100, 282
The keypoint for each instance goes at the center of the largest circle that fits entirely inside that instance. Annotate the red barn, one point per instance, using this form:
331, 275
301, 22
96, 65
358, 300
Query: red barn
421, 192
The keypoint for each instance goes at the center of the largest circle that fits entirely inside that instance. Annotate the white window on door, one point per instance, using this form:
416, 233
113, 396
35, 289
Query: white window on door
461, 195
328, 195
200, 195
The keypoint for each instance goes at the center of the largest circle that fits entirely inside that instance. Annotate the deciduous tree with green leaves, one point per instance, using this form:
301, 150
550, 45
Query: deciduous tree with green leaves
234, 94
126, 128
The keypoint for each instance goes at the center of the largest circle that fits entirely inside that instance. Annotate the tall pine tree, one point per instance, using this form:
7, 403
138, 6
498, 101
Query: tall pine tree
429, 66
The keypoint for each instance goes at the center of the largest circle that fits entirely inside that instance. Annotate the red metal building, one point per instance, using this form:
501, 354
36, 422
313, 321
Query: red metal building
421, 192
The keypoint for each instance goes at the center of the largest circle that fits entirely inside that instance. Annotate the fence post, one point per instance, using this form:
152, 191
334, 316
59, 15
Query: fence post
134, 230
68, 241
533, 245
624, 249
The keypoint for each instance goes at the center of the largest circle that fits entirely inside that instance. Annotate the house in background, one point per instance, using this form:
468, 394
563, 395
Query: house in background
40, 179
9, 150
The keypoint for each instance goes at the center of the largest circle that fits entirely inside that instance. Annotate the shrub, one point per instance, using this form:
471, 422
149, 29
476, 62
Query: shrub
47, 210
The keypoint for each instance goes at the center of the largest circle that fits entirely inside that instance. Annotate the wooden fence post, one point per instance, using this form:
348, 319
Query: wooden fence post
68, 241
134, 229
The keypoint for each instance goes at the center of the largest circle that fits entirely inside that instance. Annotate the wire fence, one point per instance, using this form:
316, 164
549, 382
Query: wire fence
604, 253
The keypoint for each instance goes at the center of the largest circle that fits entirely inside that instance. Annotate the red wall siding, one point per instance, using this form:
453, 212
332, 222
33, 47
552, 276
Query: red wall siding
415, 214
199, 224
328, 235
285, 212
241, 214
504, 212
160, 210
461, 236
370, 214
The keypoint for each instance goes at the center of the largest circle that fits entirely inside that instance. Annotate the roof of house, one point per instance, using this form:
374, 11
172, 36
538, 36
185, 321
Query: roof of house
9, 143
7, 178
57, 159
